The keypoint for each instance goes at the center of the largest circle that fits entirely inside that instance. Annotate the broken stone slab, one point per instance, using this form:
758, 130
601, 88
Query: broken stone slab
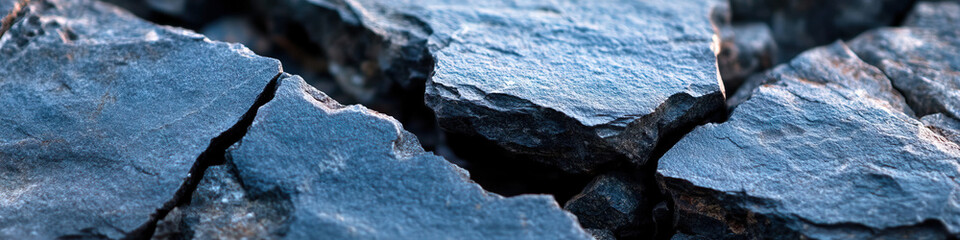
799, 25
745, 49
573, 84
823, 152
923, 63
943, 15
946, 126
836, 64
346, 172
101, 127
613, 202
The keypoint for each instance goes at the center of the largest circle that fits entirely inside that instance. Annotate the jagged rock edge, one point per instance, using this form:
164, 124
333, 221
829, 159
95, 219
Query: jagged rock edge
16, 13
213, 155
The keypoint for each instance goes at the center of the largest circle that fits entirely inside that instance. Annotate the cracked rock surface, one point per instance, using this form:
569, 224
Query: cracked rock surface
922, 61
346, 172
572, 84
823, 150
101, 127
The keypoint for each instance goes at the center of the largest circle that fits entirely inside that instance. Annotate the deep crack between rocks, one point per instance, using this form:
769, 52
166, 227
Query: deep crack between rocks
212, 156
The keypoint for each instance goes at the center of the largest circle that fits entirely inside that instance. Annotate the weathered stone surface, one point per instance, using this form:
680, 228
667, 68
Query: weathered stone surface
569, 83
946, 126
941, 15
612, 201
346, 172
105, 114
823, 152
923, 63
835, 64
601, 234
745, 49
799, 25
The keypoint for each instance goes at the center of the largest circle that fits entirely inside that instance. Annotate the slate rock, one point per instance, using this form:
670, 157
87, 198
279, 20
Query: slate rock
823, 152
835, 64
745, 49
572, 84
346, 172
101, 127
941, 15
799, 25
923, 64
601, 234
946, 126
613, 201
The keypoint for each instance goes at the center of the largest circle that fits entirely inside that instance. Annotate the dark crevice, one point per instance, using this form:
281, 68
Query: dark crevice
213, 155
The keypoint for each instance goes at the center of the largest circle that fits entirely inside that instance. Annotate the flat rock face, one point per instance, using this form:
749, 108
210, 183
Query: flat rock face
570, 83
820, 154
346, 172
102, 126
922, 62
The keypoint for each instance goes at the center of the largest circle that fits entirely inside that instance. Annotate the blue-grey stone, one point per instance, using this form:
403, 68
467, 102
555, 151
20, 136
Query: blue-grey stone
946, 126
104, 114
822, 151
941, 15
612, 202
572, 84
922, 62
745, 49
347, 172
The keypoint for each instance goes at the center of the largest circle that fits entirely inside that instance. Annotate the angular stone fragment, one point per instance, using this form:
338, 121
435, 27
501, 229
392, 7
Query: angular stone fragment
941, 15
923, 63
105, 114
573, 84
612, 201
946, 126
745, 50
346, 172
799, 25
816, 154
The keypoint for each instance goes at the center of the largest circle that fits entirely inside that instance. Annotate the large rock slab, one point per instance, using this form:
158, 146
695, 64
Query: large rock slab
573, 84
311, 167
105, 114
923, 63
813, 155
799, 25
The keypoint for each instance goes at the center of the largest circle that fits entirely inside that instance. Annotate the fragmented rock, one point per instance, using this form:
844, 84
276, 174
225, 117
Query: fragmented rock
573, 84
799, 25
745, 50
612, 201
941, 15
946, 126
823, 152
923, 63
106, 113
601, 234
346, 172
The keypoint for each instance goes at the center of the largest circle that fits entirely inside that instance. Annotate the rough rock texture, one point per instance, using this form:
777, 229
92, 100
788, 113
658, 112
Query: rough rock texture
613, 202
835, 64
574, 84
346, 172
922, 62
823, 152
101, 127
946, 126
799, 25
942, 15
745, 49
